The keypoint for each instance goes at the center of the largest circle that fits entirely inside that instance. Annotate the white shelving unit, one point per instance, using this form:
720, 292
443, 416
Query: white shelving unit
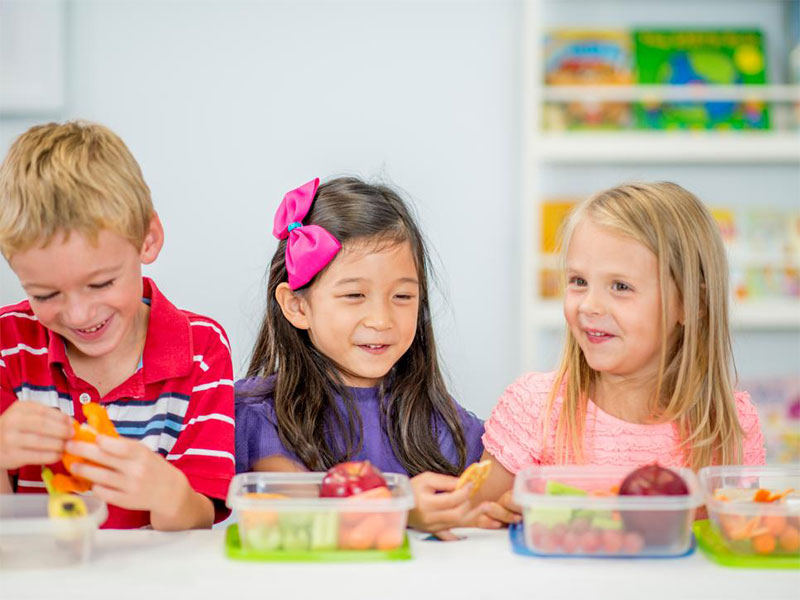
543, 151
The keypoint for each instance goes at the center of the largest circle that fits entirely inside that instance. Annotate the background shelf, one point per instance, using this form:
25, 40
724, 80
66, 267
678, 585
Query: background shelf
669, 146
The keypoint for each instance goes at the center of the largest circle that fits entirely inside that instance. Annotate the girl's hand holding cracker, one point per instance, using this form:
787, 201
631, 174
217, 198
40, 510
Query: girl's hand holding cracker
441, 506
32, 434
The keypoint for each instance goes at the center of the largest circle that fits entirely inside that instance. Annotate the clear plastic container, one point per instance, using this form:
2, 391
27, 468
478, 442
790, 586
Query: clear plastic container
29, 538
751, 528
574, 511
283, 512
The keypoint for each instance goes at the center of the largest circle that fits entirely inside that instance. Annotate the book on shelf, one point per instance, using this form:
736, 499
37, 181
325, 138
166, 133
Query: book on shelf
587, 57
691, 57
700, 57
553, 213
777, 400
763, 246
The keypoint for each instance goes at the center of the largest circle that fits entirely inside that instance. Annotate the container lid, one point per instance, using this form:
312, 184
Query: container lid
27, 514
302, 492
776, 478
598, 477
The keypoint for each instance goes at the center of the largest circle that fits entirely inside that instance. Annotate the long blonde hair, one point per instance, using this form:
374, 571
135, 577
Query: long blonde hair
694, 387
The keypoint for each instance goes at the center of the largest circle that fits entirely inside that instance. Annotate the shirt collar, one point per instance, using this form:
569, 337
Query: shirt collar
167, 347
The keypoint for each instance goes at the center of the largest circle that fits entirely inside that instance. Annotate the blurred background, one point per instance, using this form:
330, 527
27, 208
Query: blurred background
491, 116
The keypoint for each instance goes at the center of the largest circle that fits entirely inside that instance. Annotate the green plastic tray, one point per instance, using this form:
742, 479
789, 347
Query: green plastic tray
709, 541
234, 550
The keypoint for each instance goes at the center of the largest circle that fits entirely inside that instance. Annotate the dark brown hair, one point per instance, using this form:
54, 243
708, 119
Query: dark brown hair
414, 398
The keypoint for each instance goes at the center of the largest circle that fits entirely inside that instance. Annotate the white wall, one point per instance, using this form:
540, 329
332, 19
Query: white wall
227, 105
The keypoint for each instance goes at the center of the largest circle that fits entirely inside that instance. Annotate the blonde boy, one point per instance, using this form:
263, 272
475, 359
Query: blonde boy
76, 224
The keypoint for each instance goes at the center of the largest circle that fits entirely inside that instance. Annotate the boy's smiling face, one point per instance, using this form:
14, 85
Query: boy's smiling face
90, 294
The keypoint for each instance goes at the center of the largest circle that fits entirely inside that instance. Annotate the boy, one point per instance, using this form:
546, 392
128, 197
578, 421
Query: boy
76, 224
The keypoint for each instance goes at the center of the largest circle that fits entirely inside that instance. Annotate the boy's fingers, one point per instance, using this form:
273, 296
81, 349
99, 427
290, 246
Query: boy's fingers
95, 454
106, 477
119, 447
41, 443
38, 457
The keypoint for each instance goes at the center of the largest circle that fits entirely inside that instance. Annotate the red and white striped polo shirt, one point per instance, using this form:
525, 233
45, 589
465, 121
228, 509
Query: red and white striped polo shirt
179, 402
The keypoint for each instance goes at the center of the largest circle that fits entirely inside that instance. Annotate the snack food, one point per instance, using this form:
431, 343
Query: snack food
747, 528
577, 510
97, 423
476, 474
348, 478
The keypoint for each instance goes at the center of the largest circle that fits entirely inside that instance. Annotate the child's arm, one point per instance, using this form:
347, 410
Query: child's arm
132, 476
440, 507
496, 494
279, 464
176, 490
31, 434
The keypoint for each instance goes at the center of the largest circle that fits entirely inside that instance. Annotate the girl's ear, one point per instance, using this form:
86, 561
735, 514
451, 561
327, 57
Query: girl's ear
153, 241
293, 306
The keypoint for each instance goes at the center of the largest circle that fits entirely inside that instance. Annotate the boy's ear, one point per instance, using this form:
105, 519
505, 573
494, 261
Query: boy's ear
153, 241
292, 305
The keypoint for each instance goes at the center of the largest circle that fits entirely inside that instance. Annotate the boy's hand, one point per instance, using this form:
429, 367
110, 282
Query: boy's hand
130, 474
439, 506
32, 434
500, 513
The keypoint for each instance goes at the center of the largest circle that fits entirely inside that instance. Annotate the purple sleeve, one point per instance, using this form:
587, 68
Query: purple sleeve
256, 430
473, 431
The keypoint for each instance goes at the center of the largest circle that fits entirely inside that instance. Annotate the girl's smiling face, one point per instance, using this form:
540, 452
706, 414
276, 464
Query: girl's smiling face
361, 312
613, 302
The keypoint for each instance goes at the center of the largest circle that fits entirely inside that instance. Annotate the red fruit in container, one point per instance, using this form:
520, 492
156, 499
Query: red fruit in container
653, 480
632, 543
658, 527
350, 478
571, 542
580, 524
590, 540
612, 541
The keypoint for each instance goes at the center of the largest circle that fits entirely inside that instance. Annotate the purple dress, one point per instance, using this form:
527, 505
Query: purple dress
257, 435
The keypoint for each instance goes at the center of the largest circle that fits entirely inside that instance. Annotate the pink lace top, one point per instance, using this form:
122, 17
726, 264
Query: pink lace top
512, 431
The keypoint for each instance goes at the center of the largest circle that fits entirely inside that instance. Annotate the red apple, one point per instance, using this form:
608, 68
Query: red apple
658, 527
350, 478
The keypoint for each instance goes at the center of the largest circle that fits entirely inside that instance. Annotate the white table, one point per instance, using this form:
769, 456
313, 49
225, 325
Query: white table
148, 565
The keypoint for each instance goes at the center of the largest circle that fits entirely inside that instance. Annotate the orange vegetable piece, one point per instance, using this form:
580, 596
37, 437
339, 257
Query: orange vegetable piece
97, 422
774, 523
764, 543
789, 540
762, 496
69, 484
389, 538
362, 535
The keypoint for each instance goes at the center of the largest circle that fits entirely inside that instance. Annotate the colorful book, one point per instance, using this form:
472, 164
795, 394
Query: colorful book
692, 57
587, 57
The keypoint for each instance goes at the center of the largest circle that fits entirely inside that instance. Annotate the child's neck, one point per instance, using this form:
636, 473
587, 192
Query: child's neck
107, 372
625, 398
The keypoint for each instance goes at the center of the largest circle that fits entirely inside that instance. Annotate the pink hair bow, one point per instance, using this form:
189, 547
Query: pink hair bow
309, 247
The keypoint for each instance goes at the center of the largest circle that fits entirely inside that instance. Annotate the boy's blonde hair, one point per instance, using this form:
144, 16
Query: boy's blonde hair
75, 176
694, 387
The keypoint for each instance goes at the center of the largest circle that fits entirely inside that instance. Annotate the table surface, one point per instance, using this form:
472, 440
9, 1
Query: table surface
192, 564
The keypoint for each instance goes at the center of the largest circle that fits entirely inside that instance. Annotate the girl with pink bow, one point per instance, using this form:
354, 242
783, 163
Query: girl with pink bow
345, 366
